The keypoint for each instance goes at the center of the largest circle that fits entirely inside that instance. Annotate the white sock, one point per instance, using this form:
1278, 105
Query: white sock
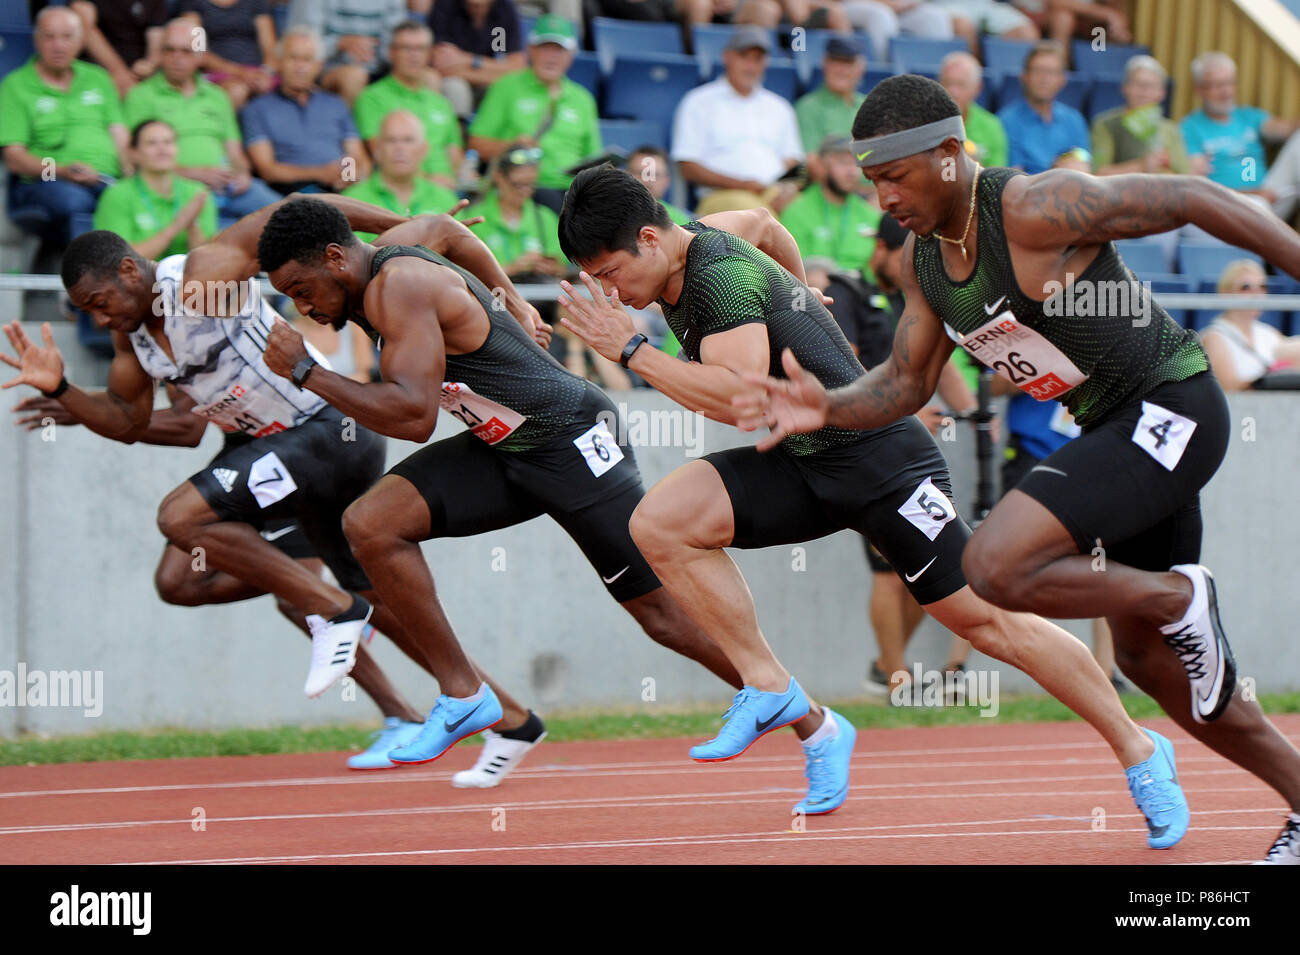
828, 729
1196, 607
482, 688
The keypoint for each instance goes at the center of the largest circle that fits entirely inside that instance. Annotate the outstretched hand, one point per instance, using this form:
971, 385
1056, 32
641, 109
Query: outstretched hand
796, 405
456, 209
42, 368
602, 323
41, 411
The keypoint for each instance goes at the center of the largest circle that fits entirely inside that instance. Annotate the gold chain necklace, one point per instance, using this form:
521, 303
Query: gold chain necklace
970, 217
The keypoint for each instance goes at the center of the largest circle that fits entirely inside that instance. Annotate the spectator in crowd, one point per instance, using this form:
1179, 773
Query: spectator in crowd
123, 38
1283, 181
829, 219
882, 20
1135, 137
240, 45
299, 137
960, 74
650, 165
810, 14
476, 42
830, 109
61, 127
522, 234
207, 134
540, 107
354, 39
734, 137
1060, 20
1042, 132
1229, 136
157, 211
1243, 349
405, 89
397, 183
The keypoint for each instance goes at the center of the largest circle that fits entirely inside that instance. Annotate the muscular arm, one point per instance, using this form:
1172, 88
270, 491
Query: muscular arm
452, 239
176, 426
406, 311
901, 384
764, 231
122, 412
709, 385
1059, 209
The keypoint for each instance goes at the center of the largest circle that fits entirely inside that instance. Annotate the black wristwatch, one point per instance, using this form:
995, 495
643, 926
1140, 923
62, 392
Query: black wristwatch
630, 348
302, 370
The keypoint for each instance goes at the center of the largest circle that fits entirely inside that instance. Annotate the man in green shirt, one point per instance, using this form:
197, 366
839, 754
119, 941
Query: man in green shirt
986, 140
404, 88
829, 109
208, 141
396, 184
540, 107
829, 219
61, 128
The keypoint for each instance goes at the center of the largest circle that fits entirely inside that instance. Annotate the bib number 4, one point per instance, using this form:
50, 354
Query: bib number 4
1163, 434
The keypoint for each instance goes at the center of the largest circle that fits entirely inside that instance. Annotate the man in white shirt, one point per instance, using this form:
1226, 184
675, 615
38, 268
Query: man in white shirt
733, 138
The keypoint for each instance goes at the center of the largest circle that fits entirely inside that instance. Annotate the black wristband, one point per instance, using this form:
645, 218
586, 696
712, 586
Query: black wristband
59, 389
630, 348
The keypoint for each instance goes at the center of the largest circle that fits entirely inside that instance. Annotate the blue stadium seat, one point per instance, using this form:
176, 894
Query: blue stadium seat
813, 51
710, 39
649, 87
1144, 258
16, 45
1206, 262
526, 25
1075, 92
628, 134
874, 75
615, 38
279, 16
585, 71
1110, 60
920, 55
782, 78
1107, 93
1005, 56
1172, 283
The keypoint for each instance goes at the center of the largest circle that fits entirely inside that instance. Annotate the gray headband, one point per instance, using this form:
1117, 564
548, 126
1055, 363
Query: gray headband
907, 142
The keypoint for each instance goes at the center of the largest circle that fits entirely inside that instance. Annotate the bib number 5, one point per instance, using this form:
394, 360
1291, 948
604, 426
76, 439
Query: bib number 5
928, 509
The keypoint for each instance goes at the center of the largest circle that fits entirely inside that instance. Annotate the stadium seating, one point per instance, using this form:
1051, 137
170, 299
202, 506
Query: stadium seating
1172, 283
16, 45
585, 71
616, 38
1075, 93
628, 134
1144, 258
649, 87
1279, 320
874, 75
1206, 262
1110, 59
782, 78
1005, 56
919, 55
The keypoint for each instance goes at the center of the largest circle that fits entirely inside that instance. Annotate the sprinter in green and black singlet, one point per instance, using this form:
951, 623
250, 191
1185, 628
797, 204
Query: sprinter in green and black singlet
1022, 271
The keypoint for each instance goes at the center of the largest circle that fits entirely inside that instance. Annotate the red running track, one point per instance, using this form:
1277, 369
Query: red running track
985, 794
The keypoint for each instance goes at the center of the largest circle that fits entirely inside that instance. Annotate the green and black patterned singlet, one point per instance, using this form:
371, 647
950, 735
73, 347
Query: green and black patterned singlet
508, 369
1119, 358
730, 283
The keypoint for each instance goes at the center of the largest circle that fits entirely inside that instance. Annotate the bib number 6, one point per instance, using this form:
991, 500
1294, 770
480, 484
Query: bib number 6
599, 449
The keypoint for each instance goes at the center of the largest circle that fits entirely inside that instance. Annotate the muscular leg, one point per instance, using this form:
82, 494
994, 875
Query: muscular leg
1242, 734
1059, 663
385, 527
888, 613
681, 526
1023, 558
238, 549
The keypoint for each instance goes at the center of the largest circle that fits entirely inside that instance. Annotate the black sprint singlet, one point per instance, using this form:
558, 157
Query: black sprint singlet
510, 391
729, 283
1093, 364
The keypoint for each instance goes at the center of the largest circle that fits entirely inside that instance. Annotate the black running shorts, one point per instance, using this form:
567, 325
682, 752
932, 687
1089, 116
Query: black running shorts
583, 479
905, 510
309, 474
1131, 484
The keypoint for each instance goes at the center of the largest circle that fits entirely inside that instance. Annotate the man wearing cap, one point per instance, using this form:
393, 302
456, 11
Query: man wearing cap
830, 108
540, 107
396, 184
829, 218
986, 140
734, 138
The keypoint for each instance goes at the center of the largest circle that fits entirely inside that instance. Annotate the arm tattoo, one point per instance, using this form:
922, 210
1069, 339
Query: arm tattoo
1082, 210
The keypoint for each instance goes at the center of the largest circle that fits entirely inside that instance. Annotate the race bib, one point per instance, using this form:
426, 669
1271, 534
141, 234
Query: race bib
1163, 434
487, 419
1022, 356
928, 509
599, 449
270, 480
243, 411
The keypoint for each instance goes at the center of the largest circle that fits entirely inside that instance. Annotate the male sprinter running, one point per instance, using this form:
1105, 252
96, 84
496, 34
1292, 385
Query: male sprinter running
538, 441
1155, 423
734, 309
179, 584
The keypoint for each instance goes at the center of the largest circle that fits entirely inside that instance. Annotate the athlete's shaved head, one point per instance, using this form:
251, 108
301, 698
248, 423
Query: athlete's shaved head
108, 279
98, 255
300, 231
902, 102
604, 211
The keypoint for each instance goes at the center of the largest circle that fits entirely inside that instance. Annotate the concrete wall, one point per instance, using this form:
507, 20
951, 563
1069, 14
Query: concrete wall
78, 545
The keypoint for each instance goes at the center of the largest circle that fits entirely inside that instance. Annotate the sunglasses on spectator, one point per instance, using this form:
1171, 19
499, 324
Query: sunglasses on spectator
1252, 287
522, 157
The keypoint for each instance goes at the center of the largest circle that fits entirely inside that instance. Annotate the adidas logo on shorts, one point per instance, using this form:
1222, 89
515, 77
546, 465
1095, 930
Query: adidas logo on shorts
225, 477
